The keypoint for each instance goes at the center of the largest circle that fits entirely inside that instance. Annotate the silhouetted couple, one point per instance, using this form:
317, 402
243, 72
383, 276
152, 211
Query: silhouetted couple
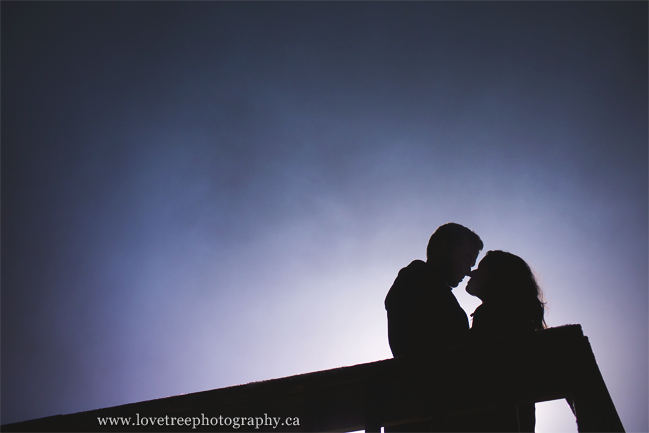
424, 316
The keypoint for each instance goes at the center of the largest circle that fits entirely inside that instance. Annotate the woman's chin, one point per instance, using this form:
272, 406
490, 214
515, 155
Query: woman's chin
471, 291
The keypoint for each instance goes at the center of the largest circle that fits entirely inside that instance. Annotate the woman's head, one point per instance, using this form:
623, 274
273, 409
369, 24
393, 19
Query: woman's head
506, 279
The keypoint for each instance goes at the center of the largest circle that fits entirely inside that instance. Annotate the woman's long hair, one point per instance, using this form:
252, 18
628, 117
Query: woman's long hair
510, 281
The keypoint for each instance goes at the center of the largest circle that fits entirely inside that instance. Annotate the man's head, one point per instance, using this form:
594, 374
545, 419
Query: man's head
452, 250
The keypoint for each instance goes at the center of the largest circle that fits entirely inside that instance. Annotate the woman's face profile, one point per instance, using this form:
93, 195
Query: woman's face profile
478, 282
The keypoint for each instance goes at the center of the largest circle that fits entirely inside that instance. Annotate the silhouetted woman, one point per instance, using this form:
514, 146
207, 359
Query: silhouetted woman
512, 303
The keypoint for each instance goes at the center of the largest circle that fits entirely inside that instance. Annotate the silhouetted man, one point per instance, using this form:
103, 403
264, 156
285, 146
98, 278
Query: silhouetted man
423, 313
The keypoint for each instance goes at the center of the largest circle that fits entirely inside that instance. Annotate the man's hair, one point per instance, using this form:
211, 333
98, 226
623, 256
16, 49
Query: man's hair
452, 234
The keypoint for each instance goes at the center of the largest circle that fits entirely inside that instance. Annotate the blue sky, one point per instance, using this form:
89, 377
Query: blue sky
205, 194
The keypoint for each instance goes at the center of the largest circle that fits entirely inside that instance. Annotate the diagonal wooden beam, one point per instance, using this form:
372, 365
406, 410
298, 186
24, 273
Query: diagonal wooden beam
505, 372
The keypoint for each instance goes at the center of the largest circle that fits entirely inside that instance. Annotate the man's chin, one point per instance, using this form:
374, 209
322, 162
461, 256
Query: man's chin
456, 282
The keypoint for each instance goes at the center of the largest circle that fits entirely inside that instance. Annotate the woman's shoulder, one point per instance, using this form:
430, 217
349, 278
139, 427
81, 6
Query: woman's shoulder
496, 319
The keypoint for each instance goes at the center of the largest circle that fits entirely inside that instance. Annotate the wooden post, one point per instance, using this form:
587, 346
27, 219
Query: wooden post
592, 403
373, 404
311, 404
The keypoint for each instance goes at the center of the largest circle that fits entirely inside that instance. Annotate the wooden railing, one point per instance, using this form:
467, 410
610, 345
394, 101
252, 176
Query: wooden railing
559, 364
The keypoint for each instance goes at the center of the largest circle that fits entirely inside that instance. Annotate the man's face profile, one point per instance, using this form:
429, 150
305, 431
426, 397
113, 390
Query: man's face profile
461, 259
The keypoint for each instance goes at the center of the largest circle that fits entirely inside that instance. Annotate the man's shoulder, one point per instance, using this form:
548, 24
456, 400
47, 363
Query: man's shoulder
412, 281
415, 267
413, 275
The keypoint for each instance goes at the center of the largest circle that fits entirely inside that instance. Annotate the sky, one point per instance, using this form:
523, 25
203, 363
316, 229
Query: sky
199, 195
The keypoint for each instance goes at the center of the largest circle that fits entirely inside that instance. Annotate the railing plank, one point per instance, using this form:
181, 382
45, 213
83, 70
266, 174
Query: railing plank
550, 364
